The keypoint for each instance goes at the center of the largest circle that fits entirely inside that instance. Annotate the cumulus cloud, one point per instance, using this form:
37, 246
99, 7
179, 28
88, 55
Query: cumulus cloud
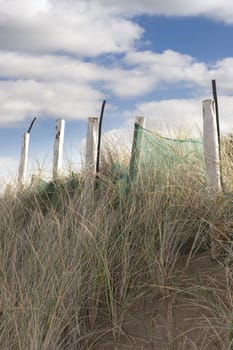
43, 71
168, 115
64, 26
20, 99
226, 113
64, 86
122, 81
182, 114
223, 71
135, 74
90, 27
24, 8
169, 66
217, 9
61, 85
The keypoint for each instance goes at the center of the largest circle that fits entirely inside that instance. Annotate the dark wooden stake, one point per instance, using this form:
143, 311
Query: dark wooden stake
99, 138
31, 125
215, 97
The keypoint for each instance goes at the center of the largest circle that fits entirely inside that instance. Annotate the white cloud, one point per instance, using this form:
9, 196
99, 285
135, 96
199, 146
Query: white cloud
61, 84
17, 65
135, 74
60, 26
64, 86
223, 72
167, 115
23, 8
20, 99
169, 66
90, 27
182, 114
226, 113
36, 38
51, 68
217, 9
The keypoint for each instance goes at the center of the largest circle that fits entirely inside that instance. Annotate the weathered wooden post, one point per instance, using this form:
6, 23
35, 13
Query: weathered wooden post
91, 145
212, 163
23, 159
136, 148
211, 146
91, 159
24, 155
58, 148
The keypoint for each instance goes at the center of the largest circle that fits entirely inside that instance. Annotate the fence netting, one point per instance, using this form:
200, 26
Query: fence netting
166, 159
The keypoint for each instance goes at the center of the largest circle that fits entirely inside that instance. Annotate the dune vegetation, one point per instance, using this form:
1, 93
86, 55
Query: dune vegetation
128, 269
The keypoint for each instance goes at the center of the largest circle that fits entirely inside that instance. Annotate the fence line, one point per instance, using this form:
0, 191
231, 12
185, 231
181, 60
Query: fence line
211, 149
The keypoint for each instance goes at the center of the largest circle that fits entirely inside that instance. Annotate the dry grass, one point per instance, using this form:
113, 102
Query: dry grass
131, 271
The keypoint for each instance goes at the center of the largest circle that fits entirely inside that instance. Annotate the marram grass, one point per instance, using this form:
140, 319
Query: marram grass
77, 274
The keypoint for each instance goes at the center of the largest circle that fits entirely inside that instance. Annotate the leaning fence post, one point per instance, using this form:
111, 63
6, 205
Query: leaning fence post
136, 148
212, 164
58, 148
211, 146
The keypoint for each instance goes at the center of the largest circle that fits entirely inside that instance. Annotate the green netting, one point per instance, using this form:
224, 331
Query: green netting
163, 155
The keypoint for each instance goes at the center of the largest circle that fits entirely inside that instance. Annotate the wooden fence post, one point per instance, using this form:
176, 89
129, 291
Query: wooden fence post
90, 164
24, 155
58, 148
136, 148
212, 165
211, 146
23, 159
91, 145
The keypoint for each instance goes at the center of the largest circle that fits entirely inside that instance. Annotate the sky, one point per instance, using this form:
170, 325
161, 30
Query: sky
152, 58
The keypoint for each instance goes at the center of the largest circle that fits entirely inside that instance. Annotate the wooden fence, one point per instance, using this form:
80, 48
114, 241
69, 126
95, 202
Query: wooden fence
211, 148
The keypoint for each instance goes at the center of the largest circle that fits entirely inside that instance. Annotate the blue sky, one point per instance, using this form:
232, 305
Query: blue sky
209, 40
61, 58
